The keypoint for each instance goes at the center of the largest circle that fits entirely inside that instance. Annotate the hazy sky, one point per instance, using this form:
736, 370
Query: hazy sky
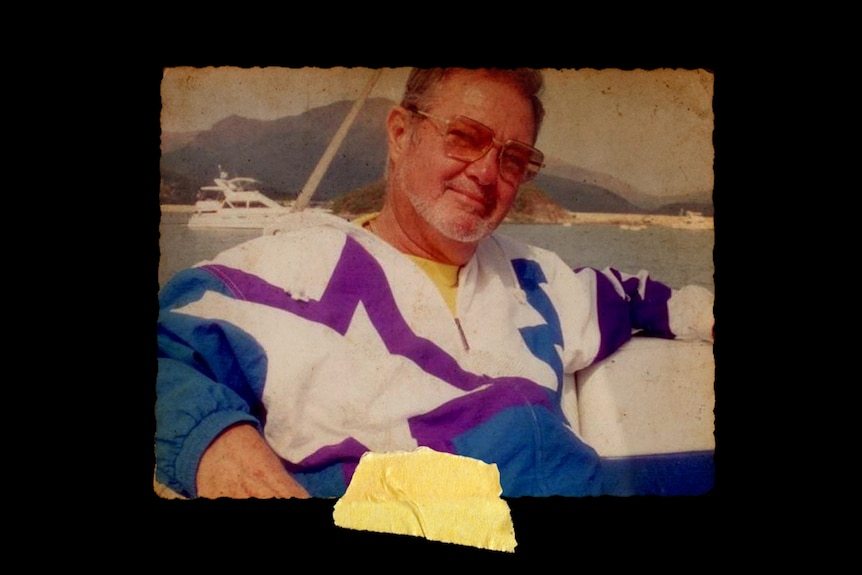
650, 129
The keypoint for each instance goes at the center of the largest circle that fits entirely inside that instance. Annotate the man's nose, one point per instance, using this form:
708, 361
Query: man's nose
486, 168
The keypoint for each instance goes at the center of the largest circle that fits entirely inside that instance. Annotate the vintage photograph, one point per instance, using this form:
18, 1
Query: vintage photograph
510, 266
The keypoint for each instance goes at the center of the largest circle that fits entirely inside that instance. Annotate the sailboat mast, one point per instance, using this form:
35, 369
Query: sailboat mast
323, 164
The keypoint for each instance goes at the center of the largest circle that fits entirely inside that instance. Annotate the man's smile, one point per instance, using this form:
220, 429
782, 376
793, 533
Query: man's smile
473, 198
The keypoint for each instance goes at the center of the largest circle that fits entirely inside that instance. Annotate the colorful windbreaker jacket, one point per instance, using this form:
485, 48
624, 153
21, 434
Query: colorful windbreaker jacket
332, 343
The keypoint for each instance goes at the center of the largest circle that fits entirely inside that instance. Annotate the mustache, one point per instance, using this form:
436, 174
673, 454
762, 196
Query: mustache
486, 195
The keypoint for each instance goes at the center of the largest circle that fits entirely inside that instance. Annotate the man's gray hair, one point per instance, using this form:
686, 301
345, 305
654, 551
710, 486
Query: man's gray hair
529, 82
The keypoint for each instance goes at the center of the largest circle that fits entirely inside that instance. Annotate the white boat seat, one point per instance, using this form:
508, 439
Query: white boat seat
648, 411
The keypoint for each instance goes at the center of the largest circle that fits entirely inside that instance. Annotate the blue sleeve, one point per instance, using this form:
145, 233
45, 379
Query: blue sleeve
210, 376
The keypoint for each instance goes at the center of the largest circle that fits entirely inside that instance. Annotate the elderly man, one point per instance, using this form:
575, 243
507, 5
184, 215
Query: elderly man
286, 358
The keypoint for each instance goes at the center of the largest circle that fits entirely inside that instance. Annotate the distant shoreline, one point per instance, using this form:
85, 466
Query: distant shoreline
636, 221
630, 221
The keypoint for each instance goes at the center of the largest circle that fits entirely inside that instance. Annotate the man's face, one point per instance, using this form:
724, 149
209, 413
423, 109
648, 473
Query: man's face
462, 201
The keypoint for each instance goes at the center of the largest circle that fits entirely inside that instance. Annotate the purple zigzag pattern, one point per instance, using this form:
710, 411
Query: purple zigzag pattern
358, 277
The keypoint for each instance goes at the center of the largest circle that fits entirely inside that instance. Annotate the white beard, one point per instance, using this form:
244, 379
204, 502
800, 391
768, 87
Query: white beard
438, 217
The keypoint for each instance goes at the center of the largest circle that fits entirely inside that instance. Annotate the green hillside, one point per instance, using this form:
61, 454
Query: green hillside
532, 205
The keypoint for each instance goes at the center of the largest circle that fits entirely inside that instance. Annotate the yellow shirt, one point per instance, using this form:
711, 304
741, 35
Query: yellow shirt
444, 276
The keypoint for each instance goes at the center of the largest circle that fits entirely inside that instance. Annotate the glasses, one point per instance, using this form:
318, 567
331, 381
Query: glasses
468, 140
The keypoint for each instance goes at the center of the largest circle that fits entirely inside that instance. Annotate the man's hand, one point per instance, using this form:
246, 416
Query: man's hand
240, 464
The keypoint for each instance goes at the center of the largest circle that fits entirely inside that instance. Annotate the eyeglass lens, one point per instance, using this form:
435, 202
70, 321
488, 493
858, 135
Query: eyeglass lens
468, 141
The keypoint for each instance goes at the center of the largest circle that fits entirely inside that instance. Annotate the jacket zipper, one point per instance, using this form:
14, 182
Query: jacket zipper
463, 336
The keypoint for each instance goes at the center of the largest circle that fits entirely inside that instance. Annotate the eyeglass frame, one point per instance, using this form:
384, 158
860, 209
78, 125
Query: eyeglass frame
534, 152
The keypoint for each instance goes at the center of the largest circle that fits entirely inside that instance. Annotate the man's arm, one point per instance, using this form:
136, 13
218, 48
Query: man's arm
210, 380
626, 304
240, 464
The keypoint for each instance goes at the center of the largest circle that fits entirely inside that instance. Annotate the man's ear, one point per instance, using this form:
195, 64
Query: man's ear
398, 131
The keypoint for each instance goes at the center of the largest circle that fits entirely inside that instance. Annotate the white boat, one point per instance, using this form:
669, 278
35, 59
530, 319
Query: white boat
233, 203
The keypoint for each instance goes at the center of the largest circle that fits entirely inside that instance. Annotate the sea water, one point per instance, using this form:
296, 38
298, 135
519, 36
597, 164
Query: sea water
677, 257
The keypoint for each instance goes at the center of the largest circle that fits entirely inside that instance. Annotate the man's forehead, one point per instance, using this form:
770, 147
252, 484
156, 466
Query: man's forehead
473, 96
489, 99
473, 88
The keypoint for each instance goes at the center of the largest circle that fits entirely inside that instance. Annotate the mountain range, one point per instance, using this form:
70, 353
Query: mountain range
282, 153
